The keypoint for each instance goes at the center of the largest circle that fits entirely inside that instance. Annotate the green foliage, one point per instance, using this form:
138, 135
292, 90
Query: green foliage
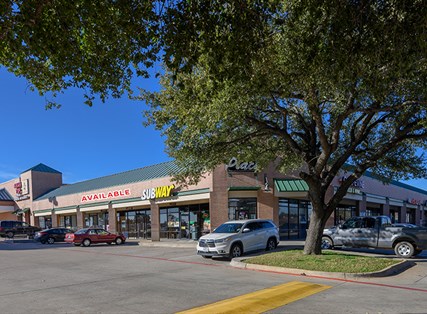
97, 46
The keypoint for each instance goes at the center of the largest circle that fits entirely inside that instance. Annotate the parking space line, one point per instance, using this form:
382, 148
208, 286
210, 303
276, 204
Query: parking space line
262, 300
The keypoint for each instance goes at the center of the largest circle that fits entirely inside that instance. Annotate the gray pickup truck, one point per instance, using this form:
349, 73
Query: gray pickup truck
376, 232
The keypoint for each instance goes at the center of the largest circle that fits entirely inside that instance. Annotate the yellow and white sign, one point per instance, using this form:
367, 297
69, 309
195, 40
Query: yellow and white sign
158, 192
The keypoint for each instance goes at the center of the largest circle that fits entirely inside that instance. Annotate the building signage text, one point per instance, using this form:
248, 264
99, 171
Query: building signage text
106, 195
158, 192
235, 165
359, 184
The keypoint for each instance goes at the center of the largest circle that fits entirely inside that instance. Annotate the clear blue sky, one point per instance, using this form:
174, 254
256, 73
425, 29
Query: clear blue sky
81, 142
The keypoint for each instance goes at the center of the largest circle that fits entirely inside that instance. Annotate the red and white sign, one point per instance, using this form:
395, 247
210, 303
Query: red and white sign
106, 195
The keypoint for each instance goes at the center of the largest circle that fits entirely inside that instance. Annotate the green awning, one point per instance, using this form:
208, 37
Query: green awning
290, 185
21, 211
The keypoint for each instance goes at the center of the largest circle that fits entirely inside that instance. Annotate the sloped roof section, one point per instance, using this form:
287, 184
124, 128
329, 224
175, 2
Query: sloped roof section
42, 168
138, 175
5, 196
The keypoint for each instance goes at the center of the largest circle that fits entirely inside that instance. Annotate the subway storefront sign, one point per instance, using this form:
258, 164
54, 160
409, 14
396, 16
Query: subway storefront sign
158, 192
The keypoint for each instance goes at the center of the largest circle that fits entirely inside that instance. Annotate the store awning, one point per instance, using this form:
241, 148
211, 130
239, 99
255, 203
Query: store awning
21, 211
290, 185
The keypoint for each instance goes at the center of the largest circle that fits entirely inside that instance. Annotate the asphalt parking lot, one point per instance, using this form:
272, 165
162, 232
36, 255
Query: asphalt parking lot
131, 278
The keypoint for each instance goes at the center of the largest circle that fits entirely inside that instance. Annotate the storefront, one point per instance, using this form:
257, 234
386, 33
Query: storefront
146, 204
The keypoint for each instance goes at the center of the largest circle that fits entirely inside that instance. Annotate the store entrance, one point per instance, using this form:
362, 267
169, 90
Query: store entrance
135, 224
188, 222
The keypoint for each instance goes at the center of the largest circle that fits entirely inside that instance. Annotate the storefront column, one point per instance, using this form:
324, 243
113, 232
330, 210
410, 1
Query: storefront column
112, 220
54, 218
402, 213
218, 200
33, 220
79, 218
268, 206
418, 215
155, 221
386, 207
362, 206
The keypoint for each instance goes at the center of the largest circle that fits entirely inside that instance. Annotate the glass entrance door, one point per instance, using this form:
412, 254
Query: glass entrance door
143, 224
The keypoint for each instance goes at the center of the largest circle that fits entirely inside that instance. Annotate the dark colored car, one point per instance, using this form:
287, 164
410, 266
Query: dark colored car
52, 235
87, 236
10, 228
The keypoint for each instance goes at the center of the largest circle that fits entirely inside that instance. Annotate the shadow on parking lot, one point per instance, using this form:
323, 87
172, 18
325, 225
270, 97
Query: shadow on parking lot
22, 244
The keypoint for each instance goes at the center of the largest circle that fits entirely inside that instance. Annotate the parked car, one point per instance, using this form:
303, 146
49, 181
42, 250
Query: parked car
234, 238
10, 228
404, 225
87, 236
376, 232
52, 235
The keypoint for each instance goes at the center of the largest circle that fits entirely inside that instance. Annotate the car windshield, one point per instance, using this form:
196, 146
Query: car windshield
81, 231
229, 228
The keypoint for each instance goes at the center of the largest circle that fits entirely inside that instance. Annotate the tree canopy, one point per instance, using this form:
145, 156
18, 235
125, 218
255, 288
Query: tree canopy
97, 46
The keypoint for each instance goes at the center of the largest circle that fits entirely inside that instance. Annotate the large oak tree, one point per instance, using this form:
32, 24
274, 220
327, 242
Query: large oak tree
316, 85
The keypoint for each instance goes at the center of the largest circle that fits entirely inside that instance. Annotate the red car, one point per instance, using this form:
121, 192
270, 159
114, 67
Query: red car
87, 236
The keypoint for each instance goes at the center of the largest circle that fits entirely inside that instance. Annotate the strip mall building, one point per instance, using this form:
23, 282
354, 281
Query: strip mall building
144, 203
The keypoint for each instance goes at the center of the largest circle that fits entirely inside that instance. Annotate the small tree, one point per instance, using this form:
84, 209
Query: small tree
314, 85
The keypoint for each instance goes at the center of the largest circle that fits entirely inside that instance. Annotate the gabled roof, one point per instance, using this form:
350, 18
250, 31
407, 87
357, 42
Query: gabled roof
138, 175
42, 168
5, 196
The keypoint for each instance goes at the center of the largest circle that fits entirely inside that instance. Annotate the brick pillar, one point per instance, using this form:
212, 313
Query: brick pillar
418, 215
362, 206
112, 219
402, 213
33, 219
386, 207
268, 206
218, 200
79, 218
54, 217
155, 221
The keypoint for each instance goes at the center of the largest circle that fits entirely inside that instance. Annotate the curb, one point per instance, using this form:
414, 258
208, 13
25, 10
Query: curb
389, 271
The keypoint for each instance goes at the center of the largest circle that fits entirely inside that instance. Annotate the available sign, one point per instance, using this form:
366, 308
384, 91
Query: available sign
107, 195
158, 192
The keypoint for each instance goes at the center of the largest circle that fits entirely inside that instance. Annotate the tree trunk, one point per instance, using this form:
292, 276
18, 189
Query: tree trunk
313, 241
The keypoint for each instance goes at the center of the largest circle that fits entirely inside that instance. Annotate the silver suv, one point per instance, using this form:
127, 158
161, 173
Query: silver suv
233, 238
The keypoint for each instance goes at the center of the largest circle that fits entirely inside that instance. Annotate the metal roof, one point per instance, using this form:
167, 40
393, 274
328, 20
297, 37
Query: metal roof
5, 196
290, 185
164, 169
42, 168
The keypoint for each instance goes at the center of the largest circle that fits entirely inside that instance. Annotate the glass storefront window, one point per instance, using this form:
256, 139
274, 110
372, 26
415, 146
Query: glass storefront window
294, 218
184, 222
242, 208
343, 213
135, 224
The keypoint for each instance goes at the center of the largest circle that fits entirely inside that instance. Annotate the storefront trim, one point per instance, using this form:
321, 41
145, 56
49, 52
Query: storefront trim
244, 188
376, 199
94, 207
186, 198
43, 212
193, 192
7, 208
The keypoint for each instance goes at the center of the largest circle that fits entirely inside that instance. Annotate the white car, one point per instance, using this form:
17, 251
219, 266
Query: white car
233, 238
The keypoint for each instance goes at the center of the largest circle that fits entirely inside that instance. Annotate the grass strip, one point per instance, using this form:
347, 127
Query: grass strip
327, 261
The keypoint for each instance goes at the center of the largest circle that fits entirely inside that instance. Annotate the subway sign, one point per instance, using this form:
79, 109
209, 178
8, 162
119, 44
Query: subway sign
158, 192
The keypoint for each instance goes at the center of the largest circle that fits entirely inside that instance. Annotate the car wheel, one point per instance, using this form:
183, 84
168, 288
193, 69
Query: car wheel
327, 243
50, 240
119, 241
271, 244
9, 234
236, 251
86, 242
404, 249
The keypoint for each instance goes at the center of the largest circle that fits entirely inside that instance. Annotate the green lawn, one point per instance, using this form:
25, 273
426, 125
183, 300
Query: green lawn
328, 261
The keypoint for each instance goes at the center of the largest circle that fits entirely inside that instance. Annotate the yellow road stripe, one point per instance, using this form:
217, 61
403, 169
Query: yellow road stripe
262, 300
